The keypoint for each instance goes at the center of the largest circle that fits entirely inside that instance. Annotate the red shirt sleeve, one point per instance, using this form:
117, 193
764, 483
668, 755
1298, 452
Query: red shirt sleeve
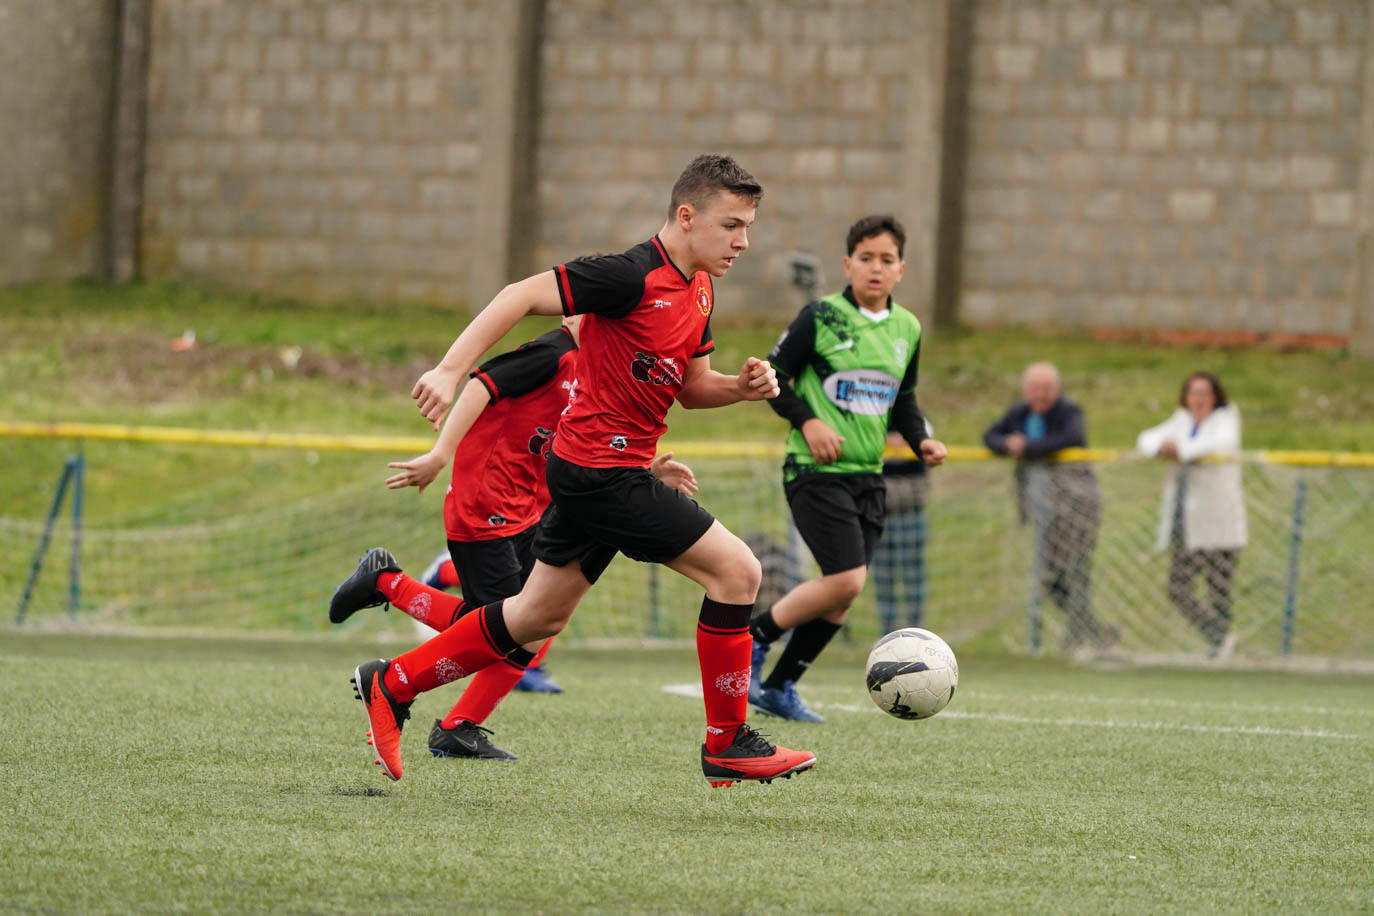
610, 285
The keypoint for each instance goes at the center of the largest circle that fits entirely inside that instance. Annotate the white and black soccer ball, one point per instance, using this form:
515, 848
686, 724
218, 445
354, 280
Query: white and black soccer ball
912, 673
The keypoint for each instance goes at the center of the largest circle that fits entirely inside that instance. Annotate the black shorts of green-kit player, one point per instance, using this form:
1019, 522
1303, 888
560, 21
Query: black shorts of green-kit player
596, 513
839, 516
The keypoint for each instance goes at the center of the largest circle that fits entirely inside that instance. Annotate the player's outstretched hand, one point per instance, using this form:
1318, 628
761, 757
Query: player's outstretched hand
674, 473
824, 442
419, 471
758, 380
933, 452
433, 393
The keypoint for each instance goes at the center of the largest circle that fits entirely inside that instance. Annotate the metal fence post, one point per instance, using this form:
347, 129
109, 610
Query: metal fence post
78, 491
1290, 606
68, 470
1036, 482
655, 620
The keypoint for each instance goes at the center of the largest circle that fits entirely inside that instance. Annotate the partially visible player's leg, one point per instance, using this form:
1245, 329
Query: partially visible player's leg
479, 639
841, 519
378, 579
493, 569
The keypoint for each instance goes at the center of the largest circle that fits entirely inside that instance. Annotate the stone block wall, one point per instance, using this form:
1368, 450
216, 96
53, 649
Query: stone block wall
1126, 164
58, 65
316, 149
1165, 164
808, 96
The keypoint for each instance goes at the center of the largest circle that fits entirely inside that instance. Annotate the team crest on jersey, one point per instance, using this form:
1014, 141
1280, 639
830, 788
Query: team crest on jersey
899, 349
656, 370
704, 300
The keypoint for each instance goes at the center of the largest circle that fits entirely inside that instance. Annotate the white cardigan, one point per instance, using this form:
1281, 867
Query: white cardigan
1213, 503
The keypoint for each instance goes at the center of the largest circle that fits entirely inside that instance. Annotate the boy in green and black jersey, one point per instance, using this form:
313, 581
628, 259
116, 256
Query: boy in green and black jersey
846, 365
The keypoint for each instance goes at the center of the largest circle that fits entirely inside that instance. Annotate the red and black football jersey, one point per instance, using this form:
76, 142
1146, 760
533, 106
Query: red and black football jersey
498, 487
645, 320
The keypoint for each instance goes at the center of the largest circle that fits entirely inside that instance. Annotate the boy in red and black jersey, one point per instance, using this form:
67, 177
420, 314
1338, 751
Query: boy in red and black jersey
503, 425
645, 343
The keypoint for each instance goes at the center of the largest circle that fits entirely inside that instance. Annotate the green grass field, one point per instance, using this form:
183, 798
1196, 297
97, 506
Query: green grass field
155, 774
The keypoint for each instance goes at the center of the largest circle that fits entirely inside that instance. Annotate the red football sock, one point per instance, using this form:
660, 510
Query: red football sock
723, 644
474, 642
435, 609
488, 688
448, 575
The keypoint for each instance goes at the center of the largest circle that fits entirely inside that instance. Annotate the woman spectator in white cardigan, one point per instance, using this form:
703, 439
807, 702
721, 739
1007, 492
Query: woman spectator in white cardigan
1203, 516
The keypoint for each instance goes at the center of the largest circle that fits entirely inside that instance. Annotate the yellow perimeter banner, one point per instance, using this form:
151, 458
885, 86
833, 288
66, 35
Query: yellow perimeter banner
400, 445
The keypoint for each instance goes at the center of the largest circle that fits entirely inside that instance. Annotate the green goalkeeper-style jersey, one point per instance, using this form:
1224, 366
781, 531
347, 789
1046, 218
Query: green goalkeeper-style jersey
851, 372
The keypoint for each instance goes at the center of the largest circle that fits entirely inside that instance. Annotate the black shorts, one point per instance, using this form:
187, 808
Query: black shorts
491, 570
597, 512
840, 516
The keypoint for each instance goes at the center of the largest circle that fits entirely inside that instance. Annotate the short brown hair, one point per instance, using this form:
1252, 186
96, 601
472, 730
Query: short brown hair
709, 174
877, 224
1218, 392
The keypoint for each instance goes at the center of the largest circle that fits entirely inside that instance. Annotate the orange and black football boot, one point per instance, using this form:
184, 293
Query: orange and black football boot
751, 756
385, 716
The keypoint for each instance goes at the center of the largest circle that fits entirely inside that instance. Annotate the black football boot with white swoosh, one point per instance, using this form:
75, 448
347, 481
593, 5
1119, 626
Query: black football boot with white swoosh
466, 739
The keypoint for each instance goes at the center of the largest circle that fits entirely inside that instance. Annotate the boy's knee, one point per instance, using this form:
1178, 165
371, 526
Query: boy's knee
738, 579
846, 586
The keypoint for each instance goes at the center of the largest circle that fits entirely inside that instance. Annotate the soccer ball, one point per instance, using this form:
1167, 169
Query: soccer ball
912, 673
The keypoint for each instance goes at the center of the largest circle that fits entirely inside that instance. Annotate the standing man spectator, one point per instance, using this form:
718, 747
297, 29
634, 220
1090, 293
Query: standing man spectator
1061, 499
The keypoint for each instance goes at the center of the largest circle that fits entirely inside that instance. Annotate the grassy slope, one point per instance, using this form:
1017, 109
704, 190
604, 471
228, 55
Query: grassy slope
230, 776
94, 353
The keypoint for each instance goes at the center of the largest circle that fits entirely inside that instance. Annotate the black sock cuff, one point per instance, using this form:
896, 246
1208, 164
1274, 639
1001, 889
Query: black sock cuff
460, 612
719, 616
764, 628
494, 629
520, 658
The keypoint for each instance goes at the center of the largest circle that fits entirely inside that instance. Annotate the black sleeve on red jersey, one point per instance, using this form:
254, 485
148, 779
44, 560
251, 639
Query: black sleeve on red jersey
790, 355
525, 368
707, 343
609, 285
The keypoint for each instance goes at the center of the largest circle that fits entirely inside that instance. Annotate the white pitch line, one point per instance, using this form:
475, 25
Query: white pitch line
1170, 703
1155, 726
694, 691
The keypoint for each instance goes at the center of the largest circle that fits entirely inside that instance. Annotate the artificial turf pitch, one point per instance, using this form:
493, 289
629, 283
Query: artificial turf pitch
229, 775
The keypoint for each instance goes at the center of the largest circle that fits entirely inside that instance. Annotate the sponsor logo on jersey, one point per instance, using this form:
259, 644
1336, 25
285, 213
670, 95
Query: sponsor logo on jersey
540, 440
656, 370
571, 389
866, 392
619, 443
662, 304
843, 345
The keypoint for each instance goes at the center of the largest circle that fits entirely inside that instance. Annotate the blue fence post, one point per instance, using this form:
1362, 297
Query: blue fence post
78, 491
1290, 606
68, 470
